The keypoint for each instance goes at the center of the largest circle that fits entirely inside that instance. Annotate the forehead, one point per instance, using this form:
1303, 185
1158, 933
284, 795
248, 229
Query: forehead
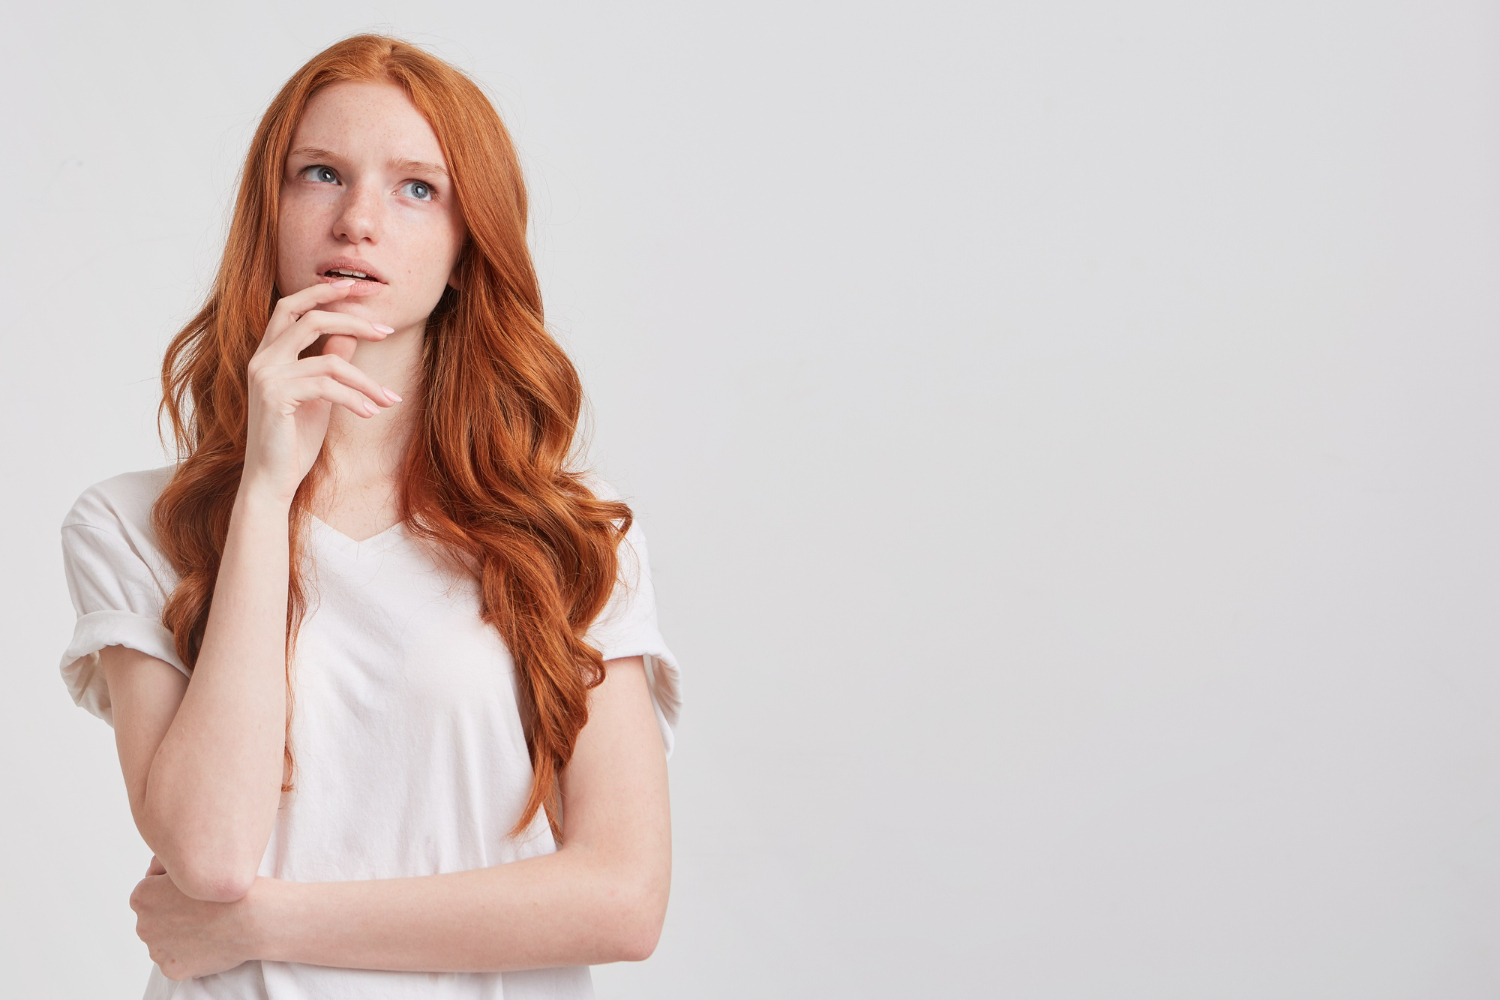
367, 118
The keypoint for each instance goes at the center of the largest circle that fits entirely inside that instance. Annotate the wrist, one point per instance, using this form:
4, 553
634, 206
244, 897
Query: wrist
257, 500
265, 918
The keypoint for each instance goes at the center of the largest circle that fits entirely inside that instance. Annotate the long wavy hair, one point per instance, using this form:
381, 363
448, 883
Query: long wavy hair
488, 476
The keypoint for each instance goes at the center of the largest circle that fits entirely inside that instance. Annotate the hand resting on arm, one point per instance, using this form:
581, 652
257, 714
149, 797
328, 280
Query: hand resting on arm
600, 898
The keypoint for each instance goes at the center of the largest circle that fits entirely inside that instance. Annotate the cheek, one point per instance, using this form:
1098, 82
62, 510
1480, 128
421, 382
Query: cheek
291, 239
457, 234
440, 233
435, 251
299, 221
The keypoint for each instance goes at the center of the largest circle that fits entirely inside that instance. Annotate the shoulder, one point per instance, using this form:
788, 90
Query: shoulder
110, 524
118, 580
121, 504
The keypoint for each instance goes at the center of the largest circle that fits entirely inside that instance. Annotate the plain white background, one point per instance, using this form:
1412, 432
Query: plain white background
1066, 432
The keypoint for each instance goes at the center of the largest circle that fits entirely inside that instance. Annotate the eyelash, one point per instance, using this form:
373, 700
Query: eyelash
320, 169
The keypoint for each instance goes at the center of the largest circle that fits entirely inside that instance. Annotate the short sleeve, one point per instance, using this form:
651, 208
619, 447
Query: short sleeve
118, 584
628, 627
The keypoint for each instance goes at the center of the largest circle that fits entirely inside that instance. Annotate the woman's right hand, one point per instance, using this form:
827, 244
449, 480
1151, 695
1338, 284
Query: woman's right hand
290, 398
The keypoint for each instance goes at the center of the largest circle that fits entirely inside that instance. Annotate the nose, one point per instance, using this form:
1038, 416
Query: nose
361, 214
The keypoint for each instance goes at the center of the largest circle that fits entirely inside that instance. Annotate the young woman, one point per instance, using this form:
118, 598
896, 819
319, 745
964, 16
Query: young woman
383, 667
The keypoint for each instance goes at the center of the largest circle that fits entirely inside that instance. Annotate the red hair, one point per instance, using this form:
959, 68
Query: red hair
486, 476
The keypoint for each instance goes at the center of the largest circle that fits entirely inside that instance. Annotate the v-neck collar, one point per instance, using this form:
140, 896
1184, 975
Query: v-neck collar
378, 542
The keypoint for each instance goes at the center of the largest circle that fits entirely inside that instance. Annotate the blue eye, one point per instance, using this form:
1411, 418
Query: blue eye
418, 190
321, 174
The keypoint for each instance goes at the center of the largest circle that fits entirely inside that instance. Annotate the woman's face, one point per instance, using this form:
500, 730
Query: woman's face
366, 191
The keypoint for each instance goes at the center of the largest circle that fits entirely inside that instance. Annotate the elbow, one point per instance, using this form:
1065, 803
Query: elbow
640, 944
639, 912
212, 880
205, 862
205, 868
214, 885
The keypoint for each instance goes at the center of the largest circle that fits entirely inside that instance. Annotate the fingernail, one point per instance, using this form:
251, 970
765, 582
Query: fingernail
382, 328
371, 408
345, 283
391, 394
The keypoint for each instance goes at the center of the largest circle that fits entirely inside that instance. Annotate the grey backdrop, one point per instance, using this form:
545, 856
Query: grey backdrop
1065, 431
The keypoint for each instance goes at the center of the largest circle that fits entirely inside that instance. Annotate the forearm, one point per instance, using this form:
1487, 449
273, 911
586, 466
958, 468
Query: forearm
567, 908
215, 781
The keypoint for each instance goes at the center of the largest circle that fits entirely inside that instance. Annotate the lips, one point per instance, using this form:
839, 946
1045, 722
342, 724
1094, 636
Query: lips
341, 268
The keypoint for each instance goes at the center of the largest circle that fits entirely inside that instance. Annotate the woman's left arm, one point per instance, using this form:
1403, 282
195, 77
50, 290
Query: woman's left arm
601, 897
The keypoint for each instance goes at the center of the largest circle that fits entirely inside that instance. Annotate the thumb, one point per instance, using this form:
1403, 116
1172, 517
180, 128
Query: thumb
340, 345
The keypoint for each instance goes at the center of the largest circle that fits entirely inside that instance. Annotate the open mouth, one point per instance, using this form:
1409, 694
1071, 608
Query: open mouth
339, 274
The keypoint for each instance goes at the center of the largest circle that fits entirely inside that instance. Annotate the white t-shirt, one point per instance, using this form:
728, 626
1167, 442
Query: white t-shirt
411, 759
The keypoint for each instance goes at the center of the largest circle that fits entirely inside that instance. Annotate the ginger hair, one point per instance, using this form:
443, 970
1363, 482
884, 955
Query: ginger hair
487, 478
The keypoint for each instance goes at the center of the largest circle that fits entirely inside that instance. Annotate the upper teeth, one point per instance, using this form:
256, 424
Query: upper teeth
352, 274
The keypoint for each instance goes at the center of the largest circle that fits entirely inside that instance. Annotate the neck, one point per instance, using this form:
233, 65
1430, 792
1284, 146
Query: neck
365, 455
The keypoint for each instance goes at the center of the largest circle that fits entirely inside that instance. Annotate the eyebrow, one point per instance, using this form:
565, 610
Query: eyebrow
318, 153
419, 166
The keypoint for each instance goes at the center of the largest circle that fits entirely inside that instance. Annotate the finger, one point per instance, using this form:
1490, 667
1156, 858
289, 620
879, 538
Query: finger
337, 345
290, 308
316, 323
348, 374
331, 390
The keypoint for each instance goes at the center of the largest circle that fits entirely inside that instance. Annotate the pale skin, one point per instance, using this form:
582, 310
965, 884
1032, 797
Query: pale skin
365, 187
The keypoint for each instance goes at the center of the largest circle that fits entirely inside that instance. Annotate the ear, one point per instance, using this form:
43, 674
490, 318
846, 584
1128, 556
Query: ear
459, 263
